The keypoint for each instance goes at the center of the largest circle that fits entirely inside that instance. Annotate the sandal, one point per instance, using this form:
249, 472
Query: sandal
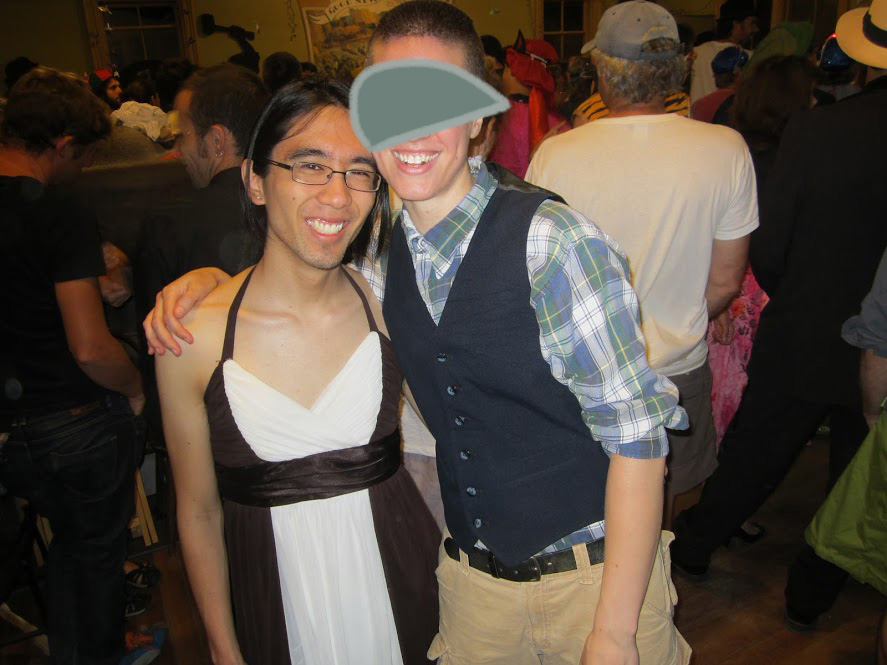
144, 576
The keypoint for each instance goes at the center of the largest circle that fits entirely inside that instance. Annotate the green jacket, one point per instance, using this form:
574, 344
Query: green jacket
850, 529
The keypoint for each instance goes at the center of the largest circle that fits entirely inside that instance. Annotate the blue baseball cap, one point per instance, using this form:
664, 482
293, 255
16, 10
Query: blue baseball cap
731, 59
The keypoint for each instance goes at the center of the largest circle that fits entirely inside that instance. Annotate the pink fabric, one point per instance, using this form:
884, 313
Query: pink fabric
704, 109
728, 363
512, 149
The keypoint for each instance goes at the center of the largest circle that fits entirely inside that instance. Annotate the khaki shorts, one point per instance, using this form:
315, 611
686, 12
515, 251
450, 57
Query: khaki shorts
693, 454
487, 621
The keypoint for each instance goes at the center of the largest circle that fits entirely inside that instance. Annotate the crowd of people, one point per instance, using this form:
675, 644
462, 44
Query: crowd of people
488, 383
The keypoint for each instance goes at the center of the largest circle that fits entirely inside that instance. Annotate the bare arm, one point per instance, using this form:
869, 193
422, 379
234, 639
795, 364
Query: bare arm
199, 509
729, 260
95, 350
873, 379
163, 325
633, 514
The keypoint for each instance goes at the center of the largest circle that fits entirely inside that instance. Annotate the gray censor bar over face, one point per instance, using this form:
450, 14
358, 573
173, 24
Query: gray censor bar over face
404, 100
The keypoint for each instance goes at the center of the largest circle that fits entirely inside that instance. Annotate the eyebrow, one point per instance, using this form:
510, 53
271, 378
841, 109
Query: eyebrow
301, 153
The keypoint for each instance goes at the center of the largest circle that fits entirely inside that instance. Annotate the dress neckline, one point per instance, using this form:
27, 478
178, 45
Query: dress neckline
329, 386
231, 327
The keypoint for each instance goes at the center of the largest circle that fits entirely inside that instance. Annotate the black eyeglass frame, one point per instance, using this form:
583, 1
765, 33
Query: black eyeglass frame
329, 174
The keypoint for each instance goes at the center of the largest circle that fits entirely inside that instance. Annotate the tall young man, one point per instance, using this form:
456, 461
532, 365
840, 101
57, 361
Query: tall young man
281, 421
517, 330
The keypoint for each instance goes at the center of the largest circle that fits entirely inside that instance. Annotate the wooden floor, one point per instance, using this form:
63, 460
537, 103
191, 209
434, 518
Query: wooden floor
733, 618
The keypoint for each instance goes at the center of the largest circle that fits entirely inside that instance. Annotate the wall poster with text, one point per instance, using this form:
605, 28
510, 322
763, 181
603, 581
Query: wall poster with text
338, 32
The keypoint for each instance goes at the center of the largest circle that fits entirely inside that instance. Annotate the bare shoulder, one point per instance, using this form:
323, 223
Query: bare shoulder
375, 305
206, 322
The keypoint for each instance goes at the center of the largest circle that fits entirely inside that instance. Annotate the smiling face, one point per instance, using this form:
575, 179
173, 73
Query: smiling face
316, 223
430, 173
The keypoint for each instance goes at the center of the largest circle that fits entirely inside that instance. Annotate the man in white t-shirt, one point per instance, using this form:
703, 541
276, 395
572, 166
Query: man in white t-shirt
737, 25
679, 198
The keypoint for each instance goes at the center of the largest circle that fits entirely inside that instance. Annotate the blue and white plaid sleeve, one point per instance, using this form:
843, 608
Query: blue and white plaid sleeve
589, 333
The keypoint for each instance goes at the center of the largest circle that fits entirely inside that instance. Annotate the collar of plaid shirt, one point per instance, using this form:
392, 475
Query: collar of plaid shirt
446, 242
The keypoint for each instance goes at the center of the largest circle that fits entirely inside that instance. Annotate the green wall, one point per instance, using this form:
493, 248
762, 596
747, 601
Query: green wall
51, 32
501, 18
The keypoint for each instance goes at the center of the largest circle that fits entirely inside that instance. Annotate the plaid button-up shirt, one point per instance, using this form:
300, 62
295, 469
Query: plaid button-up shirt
589, 330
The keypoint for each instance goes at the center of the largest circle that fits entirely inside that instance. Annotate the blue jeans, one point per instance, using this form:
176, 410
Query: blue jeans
76, 467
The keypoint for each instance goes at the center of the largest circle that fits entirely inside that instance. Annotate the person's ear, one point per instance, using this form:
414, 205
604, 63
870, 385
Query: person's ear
476, 126
253, 183
218, 138
64, 148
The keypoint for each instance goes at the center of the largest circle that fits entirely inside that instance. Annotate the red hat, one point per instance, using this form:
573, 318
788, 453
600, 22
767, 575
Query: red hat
528, 62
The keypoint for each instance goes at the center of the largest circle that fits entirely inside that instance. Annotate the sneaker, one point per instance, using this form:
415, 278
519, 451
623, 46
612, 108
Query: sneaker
797, 622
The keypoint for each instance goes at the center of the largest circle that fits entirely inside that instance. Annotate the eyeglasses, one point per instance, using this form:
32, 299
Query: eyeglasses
309, 173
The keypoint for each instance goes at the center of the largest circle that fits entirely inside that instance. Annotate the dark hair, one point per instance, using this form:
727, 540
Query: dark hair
280, 68
140, 90
46, 105
16, 68
169, 78
493, 48
724, 26
227, 95
431, 18
704, 37
309, 67
768, 96
300, 102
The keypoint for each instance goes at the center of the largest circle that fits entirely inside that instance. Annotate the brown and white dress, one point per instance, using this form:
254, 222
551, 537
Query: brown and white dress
331, 549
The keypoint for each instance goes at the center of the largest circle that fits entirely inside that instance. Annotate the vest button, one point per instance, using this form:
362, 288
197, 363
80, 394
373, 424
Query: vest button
478, 523
465, 454
452, 390
459, 420
442, 357
471, 491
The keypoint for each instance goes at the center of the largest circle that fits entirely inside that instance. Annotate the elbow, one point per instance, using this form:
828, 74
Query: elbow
88, 353
732, 290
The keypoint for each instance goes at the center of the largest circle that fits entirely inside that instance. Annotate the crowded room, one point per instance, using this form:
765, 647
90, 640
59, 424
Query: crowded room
468, 332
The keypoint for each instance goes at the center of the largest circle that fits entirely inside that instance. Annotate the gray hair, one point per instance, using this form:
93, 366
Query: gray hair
643, 81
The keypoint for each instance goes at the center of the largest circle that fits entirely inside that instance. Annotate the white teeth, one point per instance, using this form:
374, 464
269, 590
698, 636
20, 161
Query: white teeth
415, 158
326, 228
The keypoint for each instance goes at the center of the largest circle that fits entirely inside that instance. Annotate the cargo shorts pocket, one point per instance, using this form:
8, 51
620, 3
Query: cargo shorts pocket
438, 650
661, 595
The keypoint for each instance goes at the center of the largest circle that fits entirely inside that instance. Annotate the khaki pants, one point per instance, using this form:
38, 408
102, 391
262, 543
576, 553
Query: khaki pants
487, 621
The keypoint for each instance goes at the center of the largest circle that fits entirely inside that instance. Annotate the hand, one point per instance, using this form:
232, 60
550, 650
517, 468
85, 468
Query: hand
607, 648
114, 288
723, 328
137, 404
113, 256
162, 324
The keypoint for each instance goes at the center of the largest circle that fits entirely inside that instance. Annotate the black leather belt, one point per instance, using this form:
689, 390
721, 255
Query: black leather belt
530, 570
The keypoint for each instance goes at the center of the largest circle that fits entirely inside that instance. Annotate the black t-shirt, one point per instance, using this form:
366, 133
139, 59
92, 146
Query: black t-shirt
44, 239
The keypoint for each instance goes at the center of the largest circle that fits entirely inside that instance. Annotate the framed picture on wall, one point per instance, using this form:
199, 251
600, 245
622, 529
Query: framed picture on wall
338, 32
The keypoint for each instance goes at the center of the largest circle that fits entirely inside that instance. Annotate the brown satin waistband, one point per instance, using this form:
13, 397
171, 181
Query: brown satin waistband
319, 476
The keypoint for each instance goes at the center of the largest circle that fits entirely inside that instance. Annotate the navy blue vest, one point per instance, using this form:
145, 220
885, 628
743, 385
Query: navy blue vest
518, 467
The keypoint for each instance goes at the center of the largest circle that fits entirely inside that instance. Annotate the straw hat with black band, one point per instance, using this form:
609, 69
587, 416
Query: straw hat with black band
862, 34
